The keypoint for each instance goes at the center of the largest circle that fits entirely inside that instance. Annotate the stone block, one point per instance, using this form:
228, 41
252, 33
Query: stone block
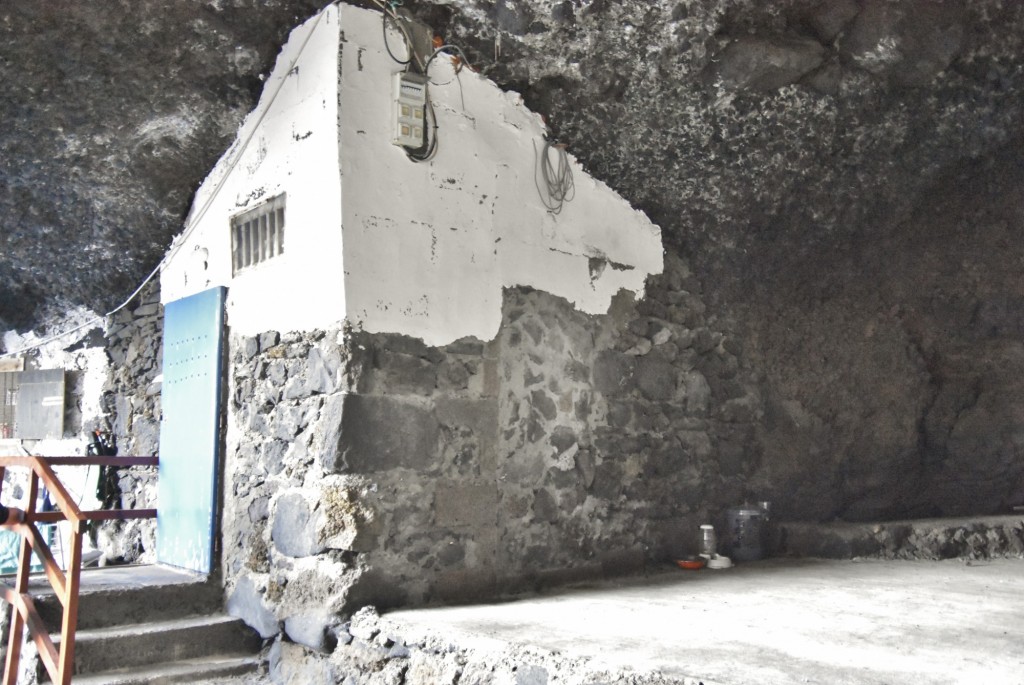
347, 522
269, 339
396, 373
294, 533
321, 372
288, 421
586, 466
458, 505
530, 674
248, 346
481, 416
656, 379
562, 438
383, 433
327, 433
698, 392
246, 602
277, 372
272, 456
291, 663
259, 509
613, 372
543, 404
312, 630
146, 310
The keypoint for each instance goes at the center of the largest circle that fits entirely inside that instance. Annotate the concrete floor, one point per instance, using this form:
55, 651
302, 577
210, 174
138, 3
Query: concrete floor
775, 622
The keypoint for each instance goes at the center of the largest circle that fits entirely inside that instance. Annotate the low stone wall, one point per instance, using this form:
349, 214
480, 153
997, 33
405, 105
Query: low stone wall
131, 402
976, 538
373, 469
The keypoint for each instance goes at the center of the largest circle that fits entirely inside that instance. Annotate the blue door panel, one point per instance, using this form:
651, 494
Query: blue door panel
190, 430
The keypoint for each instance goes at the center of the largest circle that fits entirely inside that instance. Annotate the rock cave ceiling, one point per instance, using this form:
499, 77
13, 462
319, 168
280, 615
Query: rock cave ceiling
778, 144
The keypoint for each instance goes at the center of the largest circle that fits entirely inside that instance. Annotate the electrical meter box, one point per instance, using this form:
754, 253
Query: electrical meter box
410, 110
40, 405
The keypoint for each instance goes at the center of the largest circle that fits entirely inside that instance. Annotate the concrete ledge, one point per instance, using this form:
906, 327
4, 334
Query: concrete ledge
964, 538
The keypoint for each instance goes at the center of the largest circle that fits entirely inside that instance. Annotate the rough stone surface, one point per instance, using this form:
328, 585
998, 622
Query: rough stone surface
381, 433
867, 320
131, 400
109, 134
312, 630
765, 64
971, 539
246, 602
293, 533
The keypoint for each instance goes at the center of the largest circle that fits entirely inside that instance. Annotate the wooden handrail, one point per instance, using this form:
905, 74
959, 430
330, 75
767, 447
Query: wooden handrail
59, 663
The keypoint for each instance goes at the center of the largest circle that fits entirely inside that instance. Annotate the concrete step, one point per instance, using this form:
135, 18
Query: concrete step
103, 607
140, 645
188, 671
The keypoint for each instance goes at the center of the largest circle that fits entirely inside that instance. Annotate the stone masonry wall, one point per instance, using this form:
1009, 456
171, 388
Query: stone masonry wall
372, 469
131, 403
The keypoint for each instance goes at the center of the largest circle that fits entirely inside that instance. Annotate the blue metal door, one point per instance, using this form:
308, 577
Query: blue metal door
190, 430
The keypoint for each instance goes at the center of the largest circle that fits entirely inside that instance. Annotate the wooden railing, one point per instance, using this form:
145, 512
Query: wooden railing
59, 663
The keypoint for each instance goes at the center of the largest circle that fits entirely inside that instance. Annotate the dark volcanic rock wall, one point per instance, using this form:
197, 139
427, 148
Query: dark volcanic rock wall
131, 404
845, 179
113, 113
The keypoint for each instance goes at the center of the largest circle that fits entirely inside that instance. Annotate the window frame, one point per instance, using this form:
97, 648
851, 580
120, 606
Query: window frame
258, 234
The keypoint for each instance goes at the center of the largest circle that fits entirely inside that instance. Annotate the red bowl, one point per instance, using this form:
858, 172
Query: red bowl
690, 564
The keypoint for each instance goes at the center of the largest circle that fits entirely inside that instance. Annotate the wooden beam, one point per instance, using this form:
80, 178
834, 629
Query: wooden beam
96, 515
62, 498
82, 461
70, 621
24, 606
21, 587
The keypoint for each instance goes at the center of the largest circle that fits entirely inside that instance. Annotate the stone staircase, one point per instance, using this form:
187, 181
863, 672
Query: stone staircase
148, 625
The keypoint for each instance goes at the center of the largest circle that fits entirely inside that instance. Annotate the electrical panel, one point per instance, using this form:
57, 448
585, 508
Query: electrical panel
410, 110
39, 412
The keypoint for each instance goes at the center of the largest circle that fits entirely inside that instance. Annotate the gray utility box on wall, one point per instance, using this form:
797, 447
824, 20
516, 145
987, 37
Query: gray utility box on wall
40, 409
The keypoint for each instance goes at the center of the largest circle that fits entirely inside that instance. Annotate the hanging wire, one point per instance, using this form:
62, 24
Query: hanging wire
446, 50
384, 16
390, 11
559, 186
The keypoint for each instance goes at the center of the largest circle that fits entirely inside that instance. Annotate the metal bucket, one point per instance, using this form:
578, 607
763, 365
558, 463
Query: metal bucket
746, 533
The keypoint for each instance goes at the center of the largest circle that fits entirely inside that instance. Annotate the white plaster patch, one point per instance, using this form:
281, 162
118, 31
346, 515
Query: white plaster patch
394, 246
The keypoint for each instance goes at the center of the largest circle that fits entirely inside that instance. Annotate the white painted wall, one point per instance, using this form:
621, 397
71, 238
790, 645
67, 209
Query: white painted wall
429, 247
293, 148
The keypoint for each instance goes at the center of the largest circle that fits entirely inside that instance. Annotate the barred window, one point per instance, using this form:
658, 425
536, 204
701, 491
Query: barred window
257, 234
